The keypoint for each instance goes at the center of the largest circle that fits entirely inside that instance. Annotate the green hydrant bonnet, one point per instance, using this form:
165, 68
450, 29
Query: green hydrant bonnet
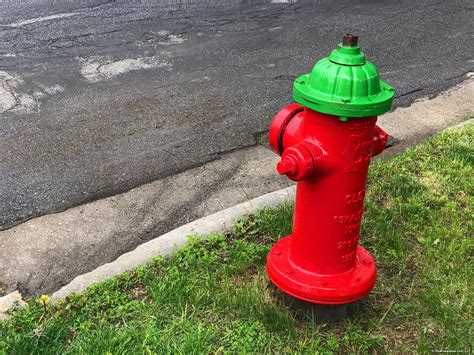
344, 84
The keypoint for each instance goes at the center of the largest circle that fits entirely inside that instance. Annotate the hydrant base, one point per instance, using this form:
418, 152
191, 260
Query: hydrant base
339, 288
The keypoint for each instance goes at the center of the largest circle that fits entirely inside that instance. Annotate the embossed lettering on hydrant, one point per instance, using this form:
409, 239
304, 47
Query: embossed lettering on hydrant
349, 218
357, 154
355, 197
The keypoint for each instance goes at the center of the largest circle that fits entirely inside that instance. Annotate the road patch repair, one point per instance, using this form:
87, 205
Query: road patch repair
25, 22
46, 253
12, 99
213, 296
95, 69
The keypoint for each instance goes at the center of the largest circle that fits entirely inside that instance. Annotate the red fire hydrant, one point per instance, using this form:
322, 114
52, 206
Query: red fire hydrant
326, 141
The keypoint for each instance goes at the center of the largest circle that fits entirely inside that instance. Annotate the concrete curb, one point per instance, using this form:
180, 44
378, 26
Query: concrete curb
7, 302
169, 242
460, 125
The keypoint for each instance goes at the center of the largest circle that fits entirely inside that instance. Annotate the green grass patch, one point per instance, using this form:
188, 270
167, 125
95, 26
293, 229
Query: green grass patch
213, 296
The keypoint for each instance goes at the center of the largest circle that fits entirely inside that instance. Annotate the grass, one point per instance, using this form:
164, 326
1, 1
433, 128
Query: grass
213, 296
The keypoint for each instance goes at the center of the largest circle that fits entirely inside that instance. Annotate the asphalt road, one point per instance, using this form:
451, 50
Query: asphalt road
97, 97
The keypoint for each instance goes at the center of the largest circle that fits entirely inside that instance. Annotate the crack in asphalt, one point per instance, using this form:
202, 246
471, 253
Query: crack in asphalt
408, 93
10, 89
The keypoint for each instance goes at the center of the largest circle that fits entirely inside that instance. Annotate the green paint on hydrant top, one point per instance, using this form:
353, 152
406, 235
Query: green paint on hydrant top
344, 84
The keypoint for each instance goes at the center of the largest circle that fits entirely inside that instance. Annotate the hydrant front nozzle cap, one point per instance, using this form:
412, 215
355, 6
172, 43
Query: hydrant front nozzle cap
344, 84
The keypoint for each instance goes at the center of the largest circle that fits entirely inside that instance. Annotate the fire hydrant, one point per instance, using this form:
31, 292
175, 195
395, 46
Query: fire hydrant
326, 140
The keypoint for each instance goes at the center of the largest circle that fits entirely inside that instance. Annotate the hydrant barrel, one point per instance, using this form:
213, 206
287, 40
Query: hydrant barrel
326, 235
326, 141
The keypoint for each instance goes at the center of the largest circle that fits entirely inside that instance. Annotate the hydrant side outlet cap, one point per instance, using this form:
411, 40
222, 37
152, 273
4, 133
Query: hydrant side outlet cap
344, 84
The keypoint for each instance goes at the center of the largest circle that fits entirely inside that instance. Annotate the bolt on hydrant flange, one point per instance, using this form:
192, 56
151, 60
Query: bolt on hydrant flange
326, 141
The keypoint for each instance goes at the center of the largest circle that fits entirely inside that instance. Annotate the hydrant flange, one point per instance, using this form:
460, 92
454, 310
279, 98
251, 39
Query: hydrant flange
319, 288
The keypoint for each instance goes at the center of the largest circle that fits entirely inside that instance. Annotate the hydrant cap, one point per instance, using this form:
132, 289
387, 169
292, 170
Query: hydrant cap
344, 84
